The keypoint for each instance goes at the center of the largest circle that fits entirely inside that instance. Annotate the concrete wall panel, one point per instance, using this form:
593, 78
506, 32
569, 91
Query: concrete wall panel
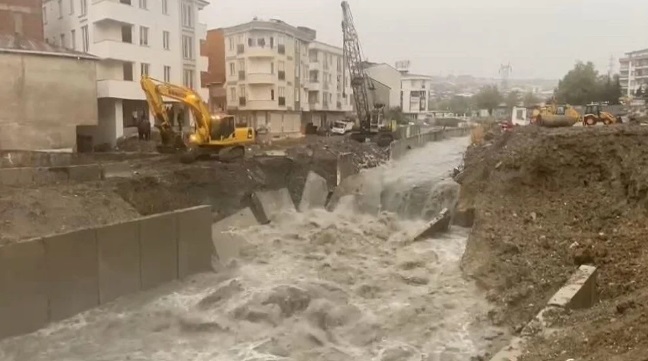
119, 260
227, 242
72, 270
271, 204
195, 247
345, 167
159, 249
23, 300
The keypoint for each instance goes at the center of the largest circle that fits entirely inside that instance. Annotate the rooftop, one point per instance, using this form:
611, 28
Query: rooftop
19, 44
300, 32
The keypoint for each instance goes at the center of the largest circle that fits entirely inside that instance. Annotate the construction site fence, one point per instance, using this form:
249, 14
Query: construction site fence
51, 278
400, 147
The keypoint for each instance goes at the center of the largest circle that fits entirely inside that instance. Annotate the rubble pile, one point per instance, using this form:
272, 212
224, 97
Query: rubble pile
547, 201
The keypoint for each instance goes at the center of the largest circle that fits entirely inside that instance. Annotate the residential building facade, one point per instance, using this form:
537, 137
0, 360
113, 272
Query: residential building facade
160, 38
415, 95
633, 71
22, 17
388, 76
329, 86
266, 65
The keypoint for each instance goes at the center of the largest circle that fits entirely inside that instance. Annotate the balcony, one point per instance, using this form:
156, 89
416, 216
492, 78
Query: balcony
314, 85
261, 104
259, 52
121, 89
118, 50
260, 78
114, 11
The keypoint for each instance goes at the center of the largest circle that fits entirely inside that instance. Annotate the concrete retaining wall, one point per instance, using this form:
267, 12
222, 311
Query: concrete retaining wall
51, 278
398, 148
29, 158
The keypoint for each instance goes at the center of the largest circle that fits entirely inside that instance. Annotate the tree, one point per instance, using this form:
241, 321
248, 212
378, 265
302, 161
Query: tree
459, 105
396, 113
583, 85
512, 99
529, 99
488, 98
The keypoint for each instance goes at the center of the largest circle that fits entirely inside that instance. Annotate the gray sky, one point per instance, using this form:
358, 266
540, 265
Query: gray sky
540, 38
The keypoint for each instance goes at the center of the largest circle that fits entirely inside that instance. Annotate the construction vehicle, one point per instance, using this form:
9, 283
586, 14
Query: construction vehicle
213, 133
554, 115
372, 118
594, 114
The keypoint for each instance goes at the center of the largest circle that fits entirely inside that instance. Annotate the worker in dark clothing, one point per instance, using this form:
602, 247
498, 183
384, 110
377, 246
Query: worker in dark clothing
144, 128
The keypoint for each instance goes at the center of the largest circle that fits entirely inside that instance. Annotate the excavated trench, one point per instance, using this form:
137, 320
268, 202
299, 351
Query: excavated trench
342, 285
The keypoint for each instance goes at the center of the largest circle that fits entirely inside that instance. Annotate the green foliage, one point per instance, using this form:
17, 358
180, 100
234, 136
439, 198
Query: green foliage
488, 98
396, 113
583, 85
459, 105
512, 99
529, 100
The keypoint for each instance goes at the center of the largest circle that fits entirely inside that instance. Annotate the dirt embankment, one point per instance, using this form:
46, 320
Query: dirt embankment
160, 184
548, 200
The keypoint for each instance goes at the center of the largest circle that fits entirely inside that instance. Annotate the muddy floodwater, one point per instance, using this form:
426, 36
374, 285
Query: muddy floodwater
341, 285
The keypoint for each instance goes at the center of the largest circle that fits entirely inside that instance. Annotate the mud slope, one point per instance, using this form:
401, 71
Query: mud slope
548, 200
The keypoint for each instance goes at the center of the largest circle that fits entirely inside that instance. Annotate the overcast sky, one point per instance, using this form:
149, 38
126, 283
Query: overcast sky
540, 38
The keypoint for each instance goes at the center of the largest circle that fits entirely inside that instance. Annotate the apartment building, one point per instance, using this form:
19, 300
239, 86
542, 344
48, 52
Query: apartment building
214, 78
387, 76
634, 71
22, 17
160, 38
329, 86
266, 65
415, 95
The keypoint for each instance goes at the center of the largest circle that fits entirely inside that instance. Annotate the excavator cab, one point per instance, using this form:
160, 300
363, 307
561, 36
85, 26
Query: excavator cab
221, 127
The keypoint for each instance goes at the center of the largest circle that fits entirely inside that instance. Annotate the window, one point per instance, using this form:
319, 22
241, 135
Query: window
233, 94
241, 64
63, 40
281, 70
128, 71
73, 39
231, 43
60, 8
242, 92
297, 95
84, 38
187, 15
167, 74
165, 7
144, 35
188, 78
271, 68
71, 7
144, 69
166, 40
84, 7
271, 94
232, 69
187, 47
143, 4
44, 15
282, 95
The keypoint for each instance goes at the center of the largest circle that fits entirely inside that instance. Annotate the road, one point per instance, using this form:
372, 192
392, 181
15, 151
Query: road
320, 285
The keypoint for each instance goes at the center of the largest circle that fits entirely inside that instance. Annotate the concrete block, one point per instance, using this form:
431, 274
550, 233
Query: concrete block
72, 270
366, 191
85, 173
271, 204
226, 242
579, 291
345, 167
23, 288
117, 170
119, 260
50, 175
159, 249
195, 247
16, 176
437, 225
315, 192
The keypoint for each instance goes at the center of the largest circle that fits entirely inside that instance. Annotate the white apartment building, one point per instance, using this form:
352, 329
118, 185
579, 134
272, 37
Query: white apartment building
415, 94
634, 71
131, 37
266, 66
329, 86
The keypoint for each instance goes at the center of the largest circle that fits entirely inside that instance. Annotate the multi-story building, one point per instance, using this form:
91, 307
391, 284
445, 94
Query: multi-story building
388, 76
329, 86
266, 64
22, 17
415, 95
160, 38
634, 71
214, 78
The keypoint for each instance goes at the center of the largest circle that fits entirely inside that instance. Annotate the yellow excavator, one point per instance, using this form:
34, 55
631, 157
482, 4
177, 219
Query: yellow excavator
553, 115
213, 133
594, 114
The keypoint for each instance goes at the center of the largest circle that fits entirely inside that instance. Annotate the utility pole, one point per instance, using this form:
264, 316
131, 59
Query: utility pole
505, 70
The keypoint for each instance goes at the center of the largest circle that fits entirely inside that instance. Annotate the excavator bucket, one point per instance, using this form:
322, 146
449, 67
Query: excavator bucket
171, 142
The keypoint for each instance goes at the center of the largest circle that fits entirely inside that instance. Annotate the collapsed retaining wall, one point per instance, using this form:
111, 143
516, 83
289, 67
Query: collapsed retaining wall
22, 176
52, 278
398, 148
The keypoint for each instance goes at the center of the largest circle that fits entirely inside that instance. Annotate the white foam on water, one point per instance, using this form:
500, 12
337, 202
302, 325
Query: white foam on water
342, 285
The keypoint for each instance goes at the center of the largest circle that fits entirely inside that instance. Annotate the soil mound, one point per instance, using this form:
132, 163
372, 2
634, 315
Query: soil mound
548, 200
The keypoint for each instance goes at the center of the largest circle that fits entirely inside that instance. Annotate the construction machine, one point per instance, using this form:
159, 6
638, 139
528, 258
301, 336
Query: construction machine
594, 114
372, 118
213, 133
554, 115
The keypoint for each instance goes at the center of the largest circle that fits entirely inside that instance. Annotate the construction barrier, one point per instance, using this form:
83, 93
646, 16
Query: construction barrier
398, 148
51, 278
